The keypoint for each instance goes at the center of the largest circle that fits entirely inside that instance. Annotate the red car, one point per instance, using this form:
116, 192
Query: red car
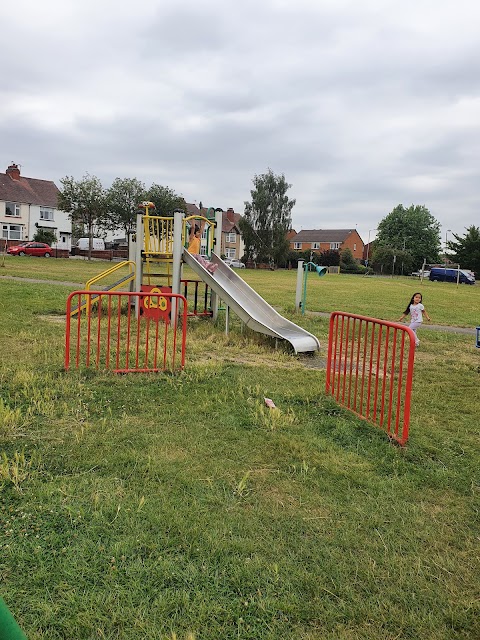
31, 249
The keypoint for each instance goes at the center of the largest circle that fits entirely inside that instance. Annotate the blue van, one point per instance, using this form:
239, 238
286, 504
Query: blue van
450, 275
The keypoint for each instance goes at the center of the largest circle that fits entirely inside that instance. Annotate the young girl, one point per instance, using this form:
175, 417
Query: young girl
194, 248
416, 310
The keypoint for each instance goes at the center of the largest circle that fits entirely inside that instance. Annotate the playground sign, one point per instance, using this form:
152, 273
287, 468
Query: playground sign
156, 306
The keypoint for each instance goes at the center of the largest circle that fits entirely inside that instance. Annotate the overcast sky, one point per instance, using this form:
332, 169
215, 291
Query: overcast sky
361, 105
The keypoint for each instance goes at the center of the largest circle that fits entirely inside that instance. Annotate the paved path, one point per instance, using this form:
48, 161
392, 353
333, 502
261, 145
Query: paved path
426, 325
323, 314
78, 285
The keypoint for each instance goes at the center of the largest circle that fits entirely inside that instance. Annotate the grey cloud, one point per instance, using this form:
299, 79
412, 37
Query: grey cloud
361, 105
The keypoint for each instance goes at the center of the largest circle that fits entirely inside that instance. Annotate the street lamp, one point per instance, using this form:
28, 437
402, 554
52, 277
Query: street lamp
405, 238
446, 244
368, 246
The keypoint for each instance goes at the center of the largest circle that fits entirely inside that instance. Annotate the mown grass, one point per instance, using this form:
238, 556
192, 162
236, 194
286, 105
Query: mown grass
381, 297
158, 506
62, 269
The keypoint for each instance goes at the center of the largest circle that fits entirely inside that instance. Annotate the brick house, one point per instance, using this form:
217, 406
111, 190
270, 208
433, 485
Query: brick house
232, 245
318, 240
28, 204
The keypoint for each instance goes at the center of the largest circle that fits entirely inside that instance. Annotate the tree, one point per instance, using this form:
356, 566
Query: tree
47, 236
85, 200
165, 200
123, 199
291, 258
388, 260
267, 219
78, 230
414, 231
329, 258
466, 251
348, 264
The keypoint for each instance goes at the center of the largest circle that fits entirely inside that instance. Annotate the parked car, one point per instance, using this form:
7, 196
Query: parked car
235, 264
418, 274
451, 275
31, 249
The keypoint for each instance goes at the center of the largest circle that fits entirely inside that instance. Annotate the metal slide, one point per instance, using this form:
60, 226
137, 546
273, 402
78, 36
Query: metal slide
250, 307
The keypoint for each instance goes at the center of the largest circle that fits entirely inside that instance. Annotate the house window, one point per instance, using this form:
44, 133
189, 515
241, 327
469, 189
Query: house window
231, 237
12, 209
12, 231
335, 245
230, 253
354, 246
297, 245
315, 245
46, 213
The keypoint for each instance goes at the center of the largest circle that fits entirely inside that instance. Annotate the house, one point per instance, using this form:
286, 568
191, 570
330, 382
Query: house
232, 245
318, 240
291, 234
28, 204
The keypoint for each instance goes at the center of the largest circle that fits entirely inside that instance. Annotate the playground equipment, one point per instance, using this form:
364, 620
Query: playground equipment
250, 307
302, 272
370, 370
159, 252
117, 284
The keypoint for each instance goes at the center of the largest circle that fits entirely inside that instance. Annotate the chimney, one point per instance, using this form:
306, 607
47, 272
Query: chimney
13, 171
230, 215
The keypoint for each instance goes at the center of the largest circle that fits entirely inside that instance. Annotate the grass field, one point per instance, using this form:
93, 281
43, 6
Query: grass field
162, 507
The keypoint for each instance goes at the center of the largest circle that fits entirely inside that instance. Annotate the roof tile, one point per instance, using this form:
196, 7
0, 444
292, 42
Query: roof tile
28, 191
322, 235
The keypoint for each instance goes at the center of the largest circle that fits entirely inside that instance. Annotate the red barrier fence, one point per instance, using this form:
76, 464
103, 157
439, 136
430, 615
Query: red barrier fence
370, 370
106, 333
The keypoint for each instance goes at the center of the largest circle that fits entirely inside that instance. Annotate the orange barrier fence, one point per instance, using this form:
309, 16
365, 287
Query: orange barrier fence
370, 370
107, 334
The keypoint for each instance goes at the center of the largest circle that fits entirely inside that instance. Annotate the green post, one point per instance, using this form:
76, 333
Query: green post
9, 629
321, 272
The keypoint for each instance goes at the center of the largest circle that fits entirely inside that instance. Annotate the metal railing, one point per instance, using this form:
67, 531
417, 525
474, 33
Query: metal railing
370, 370
106, 333
158, 236
130, 277
209, 231
198, 295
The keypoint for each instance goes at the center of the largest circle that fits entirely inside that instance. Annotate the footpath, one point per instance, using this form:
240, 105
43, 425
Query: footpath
425, 325
77, 285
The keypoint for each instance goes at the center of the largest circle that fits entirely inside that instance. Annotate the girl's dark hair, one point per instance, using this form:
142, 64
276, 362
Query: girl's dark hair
407, 310
197, 228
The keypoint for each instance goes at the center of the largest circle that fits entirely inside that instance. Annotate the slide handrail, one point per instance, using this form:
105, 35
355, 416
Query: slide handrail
111, 270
